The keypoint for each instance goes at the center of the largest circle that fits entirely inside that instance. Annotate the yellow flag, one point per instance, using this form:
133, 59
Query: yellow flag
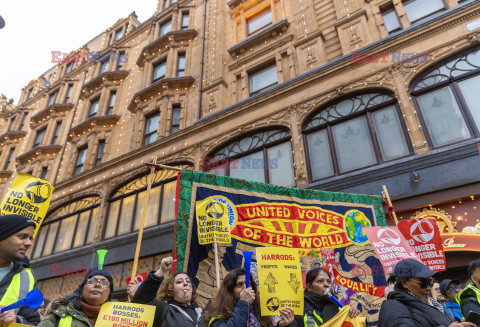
28, 196
343, 319
213, 219
280, 280
123, 314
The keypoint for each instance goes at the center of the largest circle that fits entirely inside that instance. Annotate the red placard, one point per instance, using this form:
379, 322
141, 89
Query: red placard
390, 246
424, 237
138, 279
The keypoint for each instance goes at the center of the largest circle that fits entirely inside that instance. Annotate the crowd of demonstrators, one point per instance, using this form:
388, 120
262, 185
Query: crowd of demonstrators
174, 298
238, 306
16, 234
410, 304
414, 298
81, 308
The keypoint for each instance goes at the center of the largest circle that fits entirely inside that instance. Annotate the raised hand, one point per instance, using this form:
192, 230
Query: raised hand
248, 295
165, 266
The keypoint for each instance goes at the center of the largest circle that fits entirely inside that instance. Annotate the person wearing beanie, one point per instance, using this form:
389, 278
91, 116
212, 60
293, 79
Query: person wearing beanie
81, 308
16, 233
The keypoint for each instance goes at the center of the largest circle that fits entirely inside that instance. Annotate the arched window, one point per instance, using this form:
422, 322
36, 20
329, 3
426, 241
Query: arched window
67, 227
353, 133
126, 204
265, 156
446, 99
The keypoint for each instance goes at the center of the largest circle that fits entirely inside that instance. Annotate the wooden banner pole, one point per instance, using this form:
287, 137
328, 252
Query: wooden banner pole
217, 265
150, 178
394, 215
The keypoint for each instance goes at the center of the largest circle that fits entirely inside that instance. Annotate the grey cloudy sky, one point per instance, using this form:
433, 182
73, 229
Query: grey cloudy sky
35, 28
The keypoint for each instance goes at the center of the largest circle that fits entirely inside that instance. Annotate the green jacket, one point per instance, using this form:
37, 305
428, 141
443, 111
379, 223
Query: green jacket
79, 319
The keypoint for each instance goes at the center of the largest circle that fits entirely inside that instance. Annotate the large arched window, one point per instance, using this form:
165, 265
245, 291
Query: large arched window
126, 204
446, 99
67, 227
353, 133
264, 156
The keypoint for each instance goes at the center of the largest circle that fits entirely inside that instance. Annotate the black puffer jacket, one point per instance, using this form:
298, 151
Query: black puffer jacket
167, 314
402, 309
25, 315
322, 305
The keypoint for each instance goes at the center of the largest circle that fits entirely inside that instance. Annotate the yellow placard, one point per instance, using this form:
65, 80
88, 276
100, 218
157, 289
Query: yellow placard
28, 196
123, 314
14, 324
280, 280
343, 319
213, 219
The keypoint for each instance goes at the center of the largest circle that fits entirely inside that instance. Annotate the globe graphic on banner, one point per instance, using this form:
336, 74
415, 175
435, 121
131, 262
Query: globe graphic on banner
354, 221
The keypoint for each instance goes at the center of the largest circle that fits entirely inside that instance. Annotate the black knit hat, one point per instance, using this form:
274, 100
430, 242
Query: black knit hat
98, 272
11, 224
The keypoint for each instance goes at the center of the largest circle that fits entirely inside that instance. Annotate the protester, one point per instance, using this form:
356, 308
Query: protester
408, 304
237, 306
81, 308
319, 307
436, 299
449, 288
175, 300
469, 298
16, 233
132, 288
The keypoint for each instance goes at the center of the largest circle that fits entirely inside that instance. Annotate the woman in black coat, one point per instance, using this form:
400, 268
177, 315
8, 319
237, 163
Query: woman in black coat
407, 305
175, 300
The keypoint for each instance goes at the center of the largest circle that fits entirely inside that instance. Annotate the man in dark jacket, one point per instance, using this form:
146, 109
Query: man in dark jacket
408, 304
16, 278
469, 298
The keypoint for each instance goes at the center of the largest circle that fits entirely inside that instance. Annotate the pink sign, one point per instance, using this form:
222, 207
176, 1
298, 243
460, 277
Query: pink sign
390, 246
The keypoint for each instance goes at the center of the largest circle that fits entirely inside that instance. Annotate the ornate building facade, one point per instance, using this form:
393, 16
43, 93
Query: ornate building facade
338, 95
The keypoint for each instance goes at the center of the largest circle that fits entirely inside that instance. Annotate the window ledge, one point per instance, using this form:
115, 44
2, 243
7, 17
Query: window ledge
234, 3
45, 113
264, 34
12, 135
112, 76
46, 150
171, 37
158, 88
87, 125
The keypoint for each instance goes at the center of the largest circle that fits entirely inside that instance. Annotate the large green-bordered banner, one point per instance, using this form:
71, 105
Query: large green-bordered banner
259, 214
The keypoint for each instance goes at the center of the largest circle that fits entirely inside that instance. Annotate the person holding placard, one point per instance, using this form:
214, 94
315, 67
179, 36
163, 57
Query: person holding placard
408, 305
237, 306
16, 278
318, 306
81, 308
175, 300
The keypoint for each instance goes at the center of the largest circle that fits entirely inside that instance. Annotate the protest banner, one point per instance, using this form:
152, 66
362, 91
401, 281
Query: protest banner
213, 220
138, 279
390, 246
122, 314
28, 196
265, 215
424, 237
342, 319
280, 280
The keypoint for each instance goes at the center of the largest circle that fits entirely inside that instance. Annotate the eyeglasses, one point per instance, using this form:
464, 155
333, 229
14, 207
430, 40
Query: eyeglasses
425, 282
102, 283
453, 289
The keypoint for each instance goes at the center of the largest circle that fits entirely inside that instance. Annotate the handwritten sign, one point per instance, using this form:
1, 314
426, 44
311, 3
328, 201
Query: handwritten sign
280, 280
121, 314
